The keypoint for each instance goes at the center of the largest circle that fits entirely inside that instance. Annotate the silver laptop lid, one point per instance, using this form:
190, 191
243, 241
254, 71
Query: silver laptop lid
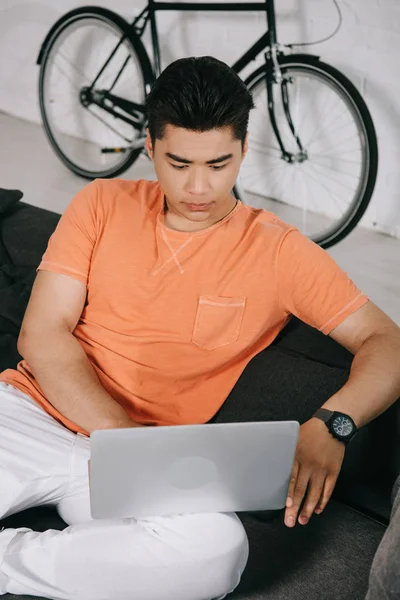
154, 471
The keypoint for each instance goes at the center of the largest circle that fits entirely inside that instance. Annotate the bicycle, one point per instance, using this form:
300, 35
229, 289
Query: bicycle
311, 164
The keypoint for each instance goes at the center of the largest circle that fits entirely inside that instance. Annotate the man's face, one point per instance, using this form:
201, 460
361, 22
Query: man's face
197, 171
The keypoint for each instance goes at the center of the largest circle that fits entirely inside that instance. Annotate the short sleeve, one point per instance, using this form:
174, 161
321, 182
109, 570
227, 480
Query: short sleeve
312, 286
69, 250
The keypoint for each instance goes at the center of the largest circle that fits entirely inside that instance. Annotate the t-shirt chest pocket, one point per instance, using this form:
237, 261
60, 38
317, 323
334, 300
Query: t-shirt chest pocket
218, 321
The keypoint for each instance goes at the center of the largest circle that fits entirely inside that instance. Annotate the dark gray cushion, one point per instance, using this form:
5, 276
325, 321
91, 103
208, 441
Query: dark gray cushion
328, 559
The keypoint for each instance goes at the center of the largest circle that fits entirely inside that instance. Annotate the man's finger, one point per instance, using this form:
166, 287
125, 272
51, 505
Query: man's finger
303, 478
314, 493
292, 484
326, 494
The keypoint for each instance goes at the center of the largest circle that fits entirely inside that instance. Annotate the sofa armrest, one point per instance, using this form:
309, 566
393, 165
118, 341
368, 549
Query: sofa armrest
384, 579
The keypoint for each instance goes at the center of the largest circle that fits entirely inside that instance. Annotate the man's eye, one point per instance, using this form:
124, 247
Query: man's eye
213, 167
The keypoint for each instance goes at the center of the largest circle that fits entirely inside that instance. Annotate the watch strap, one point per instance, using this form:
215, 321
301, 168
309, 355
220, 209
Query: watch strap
324, 414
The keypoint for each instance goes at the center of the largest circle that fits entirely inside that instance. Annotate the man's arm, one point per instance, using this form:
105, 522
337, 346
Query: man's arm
56, 358
373, 386
374, 381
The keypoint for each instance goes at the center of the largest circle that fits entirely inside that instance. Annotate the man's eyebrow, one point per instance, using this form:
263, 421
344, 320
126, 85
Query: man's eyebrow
178, 158
219, 159
189, 162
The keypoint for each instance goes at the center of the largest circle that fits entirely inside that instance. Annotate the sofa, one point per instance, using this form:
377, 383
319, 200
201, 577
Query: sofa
331, 557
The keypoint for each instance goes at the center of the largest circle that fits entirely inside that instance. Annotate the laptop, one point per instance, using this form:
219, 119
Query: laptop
215, 467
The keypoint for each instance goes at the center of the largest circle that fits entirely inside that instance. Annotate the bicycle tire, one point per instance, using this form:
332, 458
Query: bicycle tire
136, 46
360, 204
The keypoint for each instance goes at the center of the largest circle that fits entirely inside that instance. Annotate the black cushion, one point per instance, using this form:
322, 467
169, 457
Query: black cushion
25, 231
15, 288
9, 355
24, 234
298, 338
8, 198
277, 385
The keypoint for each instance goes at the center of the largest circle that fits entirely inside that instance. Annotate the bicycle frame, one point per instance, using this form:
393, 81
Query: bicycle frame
149, 14
267, 41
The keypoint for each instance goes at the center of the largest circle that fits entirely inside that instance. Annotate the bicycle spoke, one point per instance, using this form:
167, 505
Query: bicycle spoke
110, 127
316, 191
335, 131
327, 176
334, 196
330, 168
261, 146
321, 116
323, 127
337, 157
341, 142
74, 85
74, 67
273, 170
79, 132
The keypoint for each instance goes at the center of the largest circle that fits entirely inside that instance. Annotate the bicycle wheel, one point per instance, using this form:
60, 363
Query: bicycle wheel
326, 189
78, 47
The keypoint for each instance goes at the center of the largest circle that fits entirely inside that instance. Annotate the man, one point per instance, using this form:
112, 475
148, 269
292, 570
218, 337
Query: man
151, 299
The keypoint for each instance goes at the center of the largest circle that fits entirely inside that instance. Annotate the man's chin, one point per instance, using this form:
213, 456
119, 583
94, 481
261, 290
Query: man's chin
198, 216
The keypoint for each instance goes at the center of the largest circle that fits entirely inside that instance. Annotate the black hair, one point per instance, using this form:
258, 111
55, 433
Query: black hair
199, 94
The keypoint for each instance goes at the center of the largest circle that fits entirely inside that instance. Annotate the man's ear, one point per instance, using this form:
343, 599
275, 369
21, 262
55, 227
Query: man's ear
245, 145
149, 145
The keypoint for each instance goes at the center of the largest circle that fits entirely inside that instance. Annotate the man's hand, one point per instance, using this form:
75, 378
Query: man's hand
316, 467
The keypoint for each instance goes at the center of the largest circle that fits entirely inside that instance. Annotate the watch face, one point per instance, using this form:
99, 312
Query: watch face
342, 426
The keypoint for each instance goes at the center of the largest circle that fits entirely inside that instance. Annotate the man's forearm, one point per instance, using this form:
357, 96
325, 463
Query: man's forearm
374, 381
69, 382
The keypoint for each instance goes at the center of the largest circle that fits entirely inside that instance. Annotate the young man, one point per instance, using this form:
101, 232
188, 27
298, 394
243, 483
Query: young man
151, 299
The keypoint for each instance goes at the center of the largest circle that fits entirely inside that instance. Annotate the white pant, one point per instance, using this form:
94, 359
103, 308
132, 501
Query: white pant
181, 557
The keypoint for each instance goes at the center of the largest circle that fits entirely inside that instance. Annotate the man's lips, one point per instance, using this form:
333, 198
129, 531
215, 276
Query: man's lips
195, 206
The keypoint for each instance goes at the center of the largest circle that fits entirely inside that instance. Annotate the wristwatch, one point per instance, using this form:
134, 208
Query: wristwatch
340, 425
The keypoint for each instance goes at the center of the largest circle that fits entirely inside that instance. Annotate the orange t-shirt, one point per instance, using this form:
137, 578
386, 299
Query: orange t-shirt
172, 318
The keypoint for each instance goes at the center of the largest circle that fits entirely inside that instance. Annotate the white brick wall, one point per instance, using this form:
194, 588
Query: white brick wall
367, 50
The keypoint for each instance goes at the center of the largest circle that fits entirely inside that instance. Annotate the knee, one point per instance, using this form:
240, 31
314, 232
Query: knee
228, 536
227, 552
209, 551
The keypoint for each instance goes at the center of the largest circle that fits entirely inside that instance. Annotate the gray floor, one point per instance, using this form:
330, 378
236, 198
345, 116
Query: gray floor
27, 163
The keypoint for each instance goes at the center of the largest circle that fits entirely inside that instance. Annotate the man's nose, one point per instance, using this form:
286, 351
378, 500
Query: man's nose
197, 183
